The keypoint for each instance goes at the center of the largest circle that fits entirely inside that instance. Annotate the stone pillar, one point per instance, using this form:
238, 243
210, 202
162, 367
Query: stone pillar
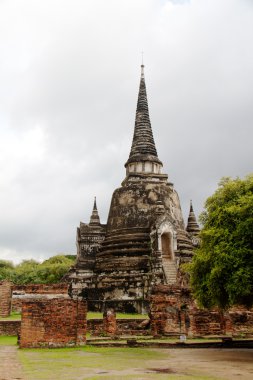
109, 321
5, 298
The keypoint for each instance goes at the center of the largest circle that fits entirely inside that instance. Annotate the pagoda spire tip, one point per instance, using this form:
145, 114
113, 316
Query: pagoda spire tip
94, 219
142, 65
95, 203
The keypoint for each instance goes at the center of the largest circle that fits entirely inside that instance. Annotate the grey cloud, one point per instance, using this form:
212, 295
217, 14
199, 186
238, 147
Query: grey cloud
70, 72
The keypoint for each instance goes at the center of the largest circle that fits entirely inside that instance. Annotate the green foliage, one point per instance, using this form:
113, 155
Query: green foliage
222, 268
6, 264
6, 269
31, 272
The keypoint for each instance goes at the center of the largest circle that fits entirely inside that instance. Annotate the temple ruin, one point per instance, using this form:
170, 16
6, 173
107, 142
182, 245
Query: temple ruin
131, 264
144, 241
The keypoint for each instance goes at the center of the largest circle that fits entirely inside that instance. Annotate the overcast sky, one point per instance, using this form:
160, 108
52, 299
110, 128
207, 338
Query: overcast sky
69, 77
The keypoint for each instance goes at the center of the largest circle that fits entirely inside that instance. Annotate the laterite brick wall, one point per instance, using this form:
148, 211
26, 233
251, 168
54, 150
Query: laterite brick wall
52, 319
5, 298
174, 311
169, 310
11, 328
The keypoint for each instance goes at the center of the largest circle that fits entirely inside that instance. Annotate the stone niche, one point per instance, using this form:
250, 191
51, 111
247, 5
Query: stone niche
51, 318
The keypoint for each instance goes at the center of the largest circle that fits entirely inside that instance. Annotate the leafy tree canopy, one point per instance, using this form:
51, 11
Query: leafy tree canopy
32, 272
222, 268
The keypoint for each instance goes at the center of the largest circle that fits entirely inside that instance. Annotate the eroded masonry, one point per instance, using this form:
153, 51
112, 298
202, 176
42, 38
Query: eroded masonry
144, 241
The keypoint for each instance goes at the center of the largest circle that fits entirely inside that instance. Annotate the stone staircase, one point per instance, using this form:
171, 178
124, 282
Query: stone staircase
170, 270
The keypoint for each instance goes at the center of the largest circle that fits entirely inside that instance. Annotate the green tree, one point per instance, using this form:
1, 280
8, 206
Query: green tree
6, 270
32, 272
222, 268
53, 269
25, 272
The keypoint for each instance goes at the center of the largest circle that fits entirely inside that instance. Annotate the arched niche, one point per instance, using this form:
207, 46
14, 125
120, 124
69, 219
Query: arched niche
167, 240
167, 245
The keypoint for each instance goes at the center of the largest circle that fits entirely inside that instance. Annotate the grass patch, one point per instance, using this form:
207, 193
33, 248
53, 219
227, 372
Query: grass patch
13, 316
98, 315
86, 362
8, 340
90, 315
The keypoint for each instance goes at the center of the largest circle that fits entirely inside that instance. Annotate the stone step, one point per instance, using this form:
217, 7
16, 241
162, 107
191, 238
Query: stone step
170, 271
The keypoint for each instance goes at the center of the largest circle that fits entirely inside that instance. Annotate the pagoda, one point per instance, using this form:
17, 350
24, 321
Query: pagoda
144, 241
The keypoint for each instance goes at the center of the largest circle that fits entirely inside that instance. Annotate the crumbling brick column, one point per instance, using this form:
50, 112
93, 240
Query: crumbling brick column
109, 321
5, 298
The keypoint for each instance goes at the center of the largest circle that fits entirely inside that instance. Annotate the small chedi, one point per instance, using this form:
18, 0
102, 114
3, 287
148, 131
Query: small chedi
144, 241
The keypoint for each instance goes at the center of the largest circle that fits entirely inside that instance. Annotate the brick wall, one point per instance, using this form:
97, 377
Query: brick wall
5, 298
174, 311
10, 327
241, 320
16, 305
169, 310
50, 318
123, 327
60, 288
207, 322
20, 292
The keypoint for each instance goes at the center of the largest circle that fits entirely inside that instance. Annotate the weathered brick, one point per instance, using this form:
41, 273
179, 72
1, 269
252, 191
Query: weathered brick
5, 298
52, 322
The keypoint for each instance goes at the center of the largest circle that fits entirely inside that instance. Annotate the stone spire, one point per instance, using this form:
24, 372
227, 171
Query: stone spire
143, 146
192, 224
94, 219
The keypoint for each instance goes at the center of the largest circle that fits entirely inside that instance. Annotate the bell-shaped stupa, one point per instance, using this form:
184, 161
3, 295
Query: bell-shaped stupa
144, 241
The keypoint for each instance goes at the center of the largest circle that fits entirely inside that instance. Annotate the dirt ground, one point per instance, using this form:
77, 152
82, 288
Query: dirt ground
10, 368
229, 364
209, 364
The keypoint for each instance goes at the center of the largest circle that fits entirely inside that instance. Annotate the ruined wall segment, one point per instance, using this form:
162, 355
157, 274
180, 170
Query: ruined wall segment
9, 328
50, 318
5, 298
169, 310
174, 311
